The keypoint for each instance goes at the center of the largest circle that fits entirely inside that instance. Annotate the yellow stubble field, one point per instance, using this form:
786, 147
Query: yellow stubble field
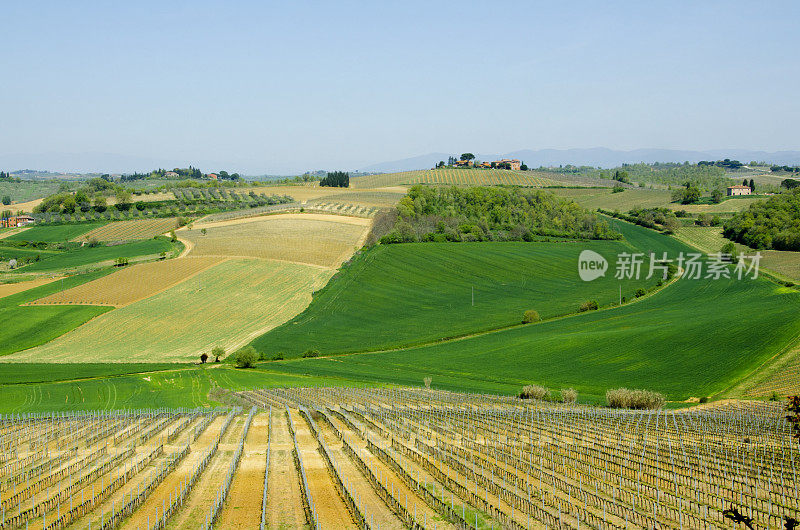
130, 284
228, 304
314, 239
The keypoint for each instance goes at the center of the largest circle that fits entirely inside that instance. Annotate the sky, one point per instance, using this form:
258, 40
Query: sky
280, 87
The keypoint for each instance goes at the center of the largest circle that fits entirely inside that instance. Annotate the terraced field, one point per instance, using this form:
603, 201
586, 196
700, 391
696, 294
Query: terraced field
457, 177
191, 317
130, 284
130, 230
315, 239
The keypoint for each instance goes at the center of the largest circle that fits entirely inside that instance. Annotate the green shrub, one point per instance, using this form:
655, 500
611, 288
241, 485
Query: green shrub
246, 357
277, 357
569, 395
310, 353
704, 399
530, 316
589, 305
640, 292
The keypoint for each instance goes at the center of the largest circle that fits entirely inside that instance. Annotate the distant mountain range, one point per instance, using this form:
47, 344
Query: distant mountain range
597, 157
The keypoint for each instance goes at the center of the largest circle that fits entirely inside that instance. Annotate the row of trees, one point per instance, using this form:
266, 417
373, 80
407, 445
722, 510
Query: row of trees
785, 169
655, 218
489, 214
336, 179
727, 163
6, 177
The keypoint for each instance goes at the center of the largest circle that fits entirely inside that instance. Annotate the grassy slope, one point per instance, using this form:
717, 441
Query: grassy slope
16, 373
28, 190
88, 255
186, 387
692, 339
399, 295
29, 326
55, 233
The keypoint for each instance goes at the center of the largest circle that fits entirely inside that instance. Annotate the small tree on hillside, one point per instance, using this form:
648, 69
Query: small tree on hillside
467, 156
427, 382
530, 316
217, 352
203, 357
752, 186
246, 357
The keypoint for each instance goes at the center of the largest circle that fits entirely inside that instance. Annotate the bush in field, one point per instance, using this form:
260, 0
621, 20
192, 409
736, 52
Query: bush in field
624, 398
530, 316
217, 352
589, 305
534, 392
569, 395
310, 353
277, 357
246, 357
427, 382
203, 357
640, 292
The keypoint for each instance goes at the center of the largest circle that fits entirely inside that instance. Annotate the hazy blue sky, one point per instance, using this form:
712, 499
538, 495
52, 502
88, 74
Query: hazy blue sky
285, 86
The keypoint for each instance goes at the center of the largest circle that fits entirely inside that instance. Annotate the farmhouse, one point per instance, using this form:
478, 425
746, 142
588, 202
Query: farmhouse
20, 220
463, 163
512, 164
212, 176
171, 174
739, 190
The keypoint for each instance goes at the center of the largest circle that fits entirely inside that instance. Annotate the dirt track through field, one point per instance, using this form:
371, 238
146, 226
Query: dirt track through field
331, 510
242, 508
161, 494
284, 499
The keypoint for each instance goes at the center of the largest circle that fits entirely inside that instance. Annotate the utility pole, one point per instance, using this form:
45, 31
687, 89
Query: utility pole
473, 296
620, 294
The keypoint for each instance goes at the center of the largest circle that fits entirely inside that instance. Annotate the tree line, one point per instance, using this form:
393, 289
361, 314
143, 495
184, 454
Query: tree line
437, 214
336, 179
770, 224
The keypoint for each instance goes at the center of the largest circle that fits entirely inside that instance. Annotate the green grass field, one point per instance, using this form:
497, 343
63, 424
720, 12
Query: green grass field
8, 253
783, 263
594, 198
16, 373
86, 255
28, 190
399, 295
55, 233
687, 340
29, 326
181, 387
